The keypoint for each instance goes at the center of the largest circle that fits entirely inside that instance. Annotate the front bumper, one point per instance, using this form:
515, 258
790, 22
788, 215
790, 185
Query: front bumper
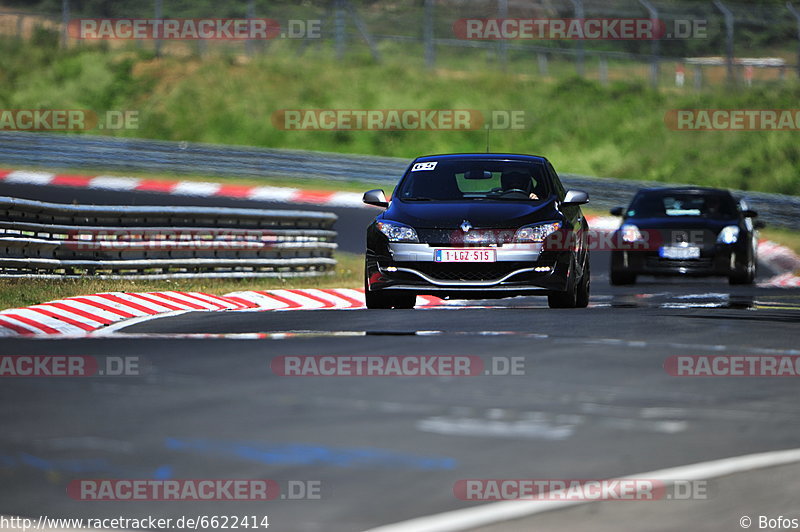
519, 269
713, 261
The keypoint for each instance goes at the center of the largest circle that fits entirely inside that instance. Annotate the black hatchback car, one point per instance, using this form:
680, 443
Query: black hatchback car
475, 226
686, 231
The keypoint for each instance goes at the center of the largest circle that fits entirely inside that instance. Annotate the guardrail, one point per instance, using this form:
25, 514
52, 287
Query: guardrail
95, 152
51, 240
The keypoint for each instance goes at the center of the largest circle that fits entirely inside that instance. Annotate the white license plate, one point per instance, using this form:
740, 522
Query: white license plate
465, 255
679, 253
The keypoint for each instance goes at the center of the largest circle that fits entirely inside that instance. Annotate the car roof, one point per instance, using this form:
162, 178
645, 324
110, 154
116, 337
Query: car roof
484, 156
686, 190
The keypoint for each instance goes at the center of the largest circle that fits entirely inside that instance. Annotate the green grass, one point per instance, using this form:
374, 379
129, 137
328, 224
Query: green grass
583, 127
24, 292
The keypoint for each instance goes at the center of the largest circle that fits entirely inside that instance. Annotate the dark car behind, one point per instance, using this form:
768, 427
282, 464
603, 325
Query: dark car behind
689, 231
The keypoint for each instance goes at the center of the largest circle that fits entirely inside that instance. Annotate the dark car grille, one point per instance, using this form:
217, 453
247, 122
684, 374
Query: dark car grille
655, 262
490, 271
457, 237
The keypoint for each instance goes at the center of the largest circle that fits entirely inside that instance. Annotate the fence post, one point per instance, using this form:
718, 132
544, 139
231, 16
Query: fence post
729, 38
64, 22
542, 60
796, 14
338, 23
251, 14
502, 45
698, 77
655, 45
578, 7
158, 14
427, 34
603, 70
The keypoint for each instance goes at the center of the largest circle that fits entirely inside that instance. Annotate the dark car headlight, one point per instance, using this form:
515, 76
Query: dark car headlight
396, 232
630, 233
728, 235
536, 233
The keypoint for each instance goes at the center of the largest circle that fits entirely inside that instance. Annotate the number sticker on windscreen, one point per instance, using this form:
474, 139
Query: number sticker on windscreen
423, 166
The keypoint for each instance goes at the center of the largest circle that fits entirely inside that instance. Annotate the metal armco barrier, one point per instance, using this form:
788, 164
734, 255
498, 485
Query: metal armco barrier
86, 151
58, 240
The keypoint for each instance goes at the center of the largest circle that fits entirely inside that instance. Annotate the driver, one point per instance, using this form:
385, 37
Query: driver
516, 180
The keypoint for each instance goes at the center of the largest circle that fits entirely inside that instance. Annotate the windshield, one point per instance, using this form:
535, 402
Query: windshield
659, 205
475, 180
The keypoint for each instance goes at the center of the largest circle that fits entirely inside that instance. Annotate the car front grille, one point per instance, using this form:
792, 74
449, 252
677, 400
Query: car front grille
694, 264
490, 271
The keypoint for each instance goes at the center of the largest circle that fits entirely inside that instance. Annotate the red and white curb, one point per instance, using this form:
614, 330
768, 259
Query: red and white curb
82, 315
186, 188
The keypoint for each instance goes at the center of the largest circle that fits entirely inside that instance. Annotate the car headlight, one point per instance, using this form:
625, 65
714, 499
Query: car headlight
728, 235
396, 232
630, 233
536, 233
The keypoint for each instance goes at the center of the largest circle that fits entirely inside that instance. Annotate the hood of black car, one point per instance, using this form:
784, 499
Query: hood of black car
480, 214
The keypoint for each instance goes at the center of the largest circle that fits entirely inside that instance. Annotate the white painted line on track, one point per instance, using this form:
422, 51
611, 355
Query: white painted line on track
487, 514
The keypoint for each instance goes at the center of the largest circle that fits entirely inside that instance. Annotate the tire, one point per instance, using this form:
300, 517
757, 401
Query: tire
385, 300
377, 300
404, 300
566, 299
621, 278
584, 287
743, 279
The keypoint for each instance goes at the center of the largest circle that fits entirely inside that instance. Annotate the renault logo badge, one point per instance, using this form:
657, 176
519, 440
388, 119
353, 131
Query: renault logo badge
466, 226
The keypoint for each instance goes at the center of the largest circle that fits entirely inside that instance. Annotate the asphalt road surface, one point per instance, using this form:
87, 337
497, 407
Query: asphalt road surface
593, 401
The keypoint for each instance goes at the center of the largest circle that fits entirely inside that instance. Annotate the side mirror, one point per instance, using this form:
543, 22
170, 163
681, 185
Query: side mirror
617, 211
375, 197
749, 213
575, 197
759, 225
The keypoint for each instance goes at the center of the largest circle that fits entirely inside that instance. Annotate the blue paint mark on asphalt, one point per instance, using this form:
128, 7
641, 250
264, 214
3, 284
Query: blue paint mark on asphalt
306, 454
163, 472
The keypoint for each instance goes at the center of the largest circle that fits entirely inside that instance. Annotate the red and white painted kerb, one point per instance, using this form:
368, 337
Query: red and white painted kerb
185, 188
81, 315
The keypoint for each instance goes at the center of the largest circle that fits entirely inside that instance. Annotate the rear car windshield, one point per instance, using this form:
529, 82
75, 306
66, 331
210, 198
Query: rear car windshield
668, 205
475, 180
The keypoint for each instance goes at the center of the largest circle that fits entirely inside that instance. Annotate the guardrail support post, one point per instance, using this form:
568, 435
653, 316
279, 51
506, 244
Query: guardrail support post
729, 22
